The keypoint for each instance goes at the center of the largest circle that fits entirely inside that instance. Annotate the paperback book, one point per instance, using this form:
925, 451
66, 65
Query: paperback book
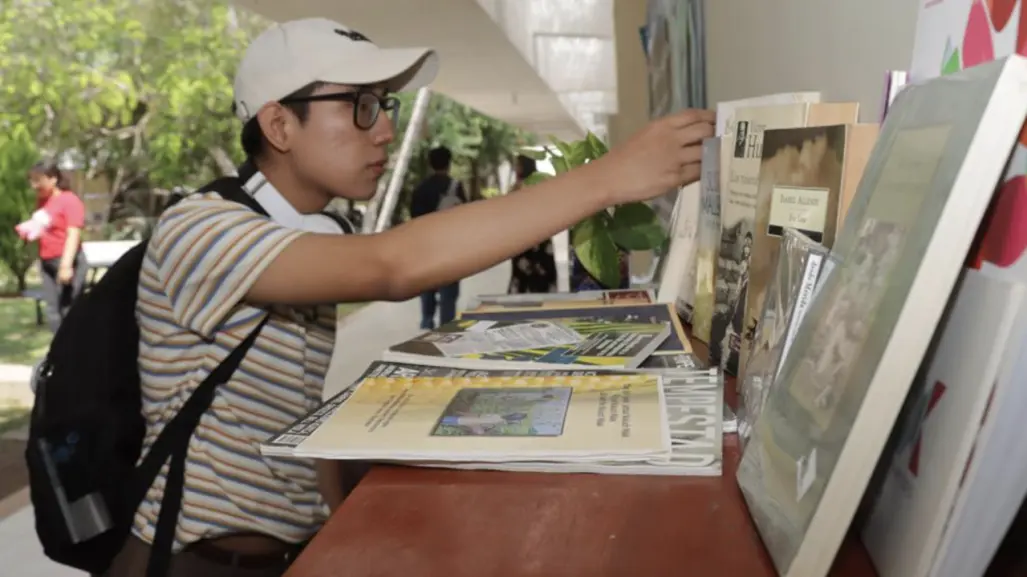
707, 240
858, 349
536, 344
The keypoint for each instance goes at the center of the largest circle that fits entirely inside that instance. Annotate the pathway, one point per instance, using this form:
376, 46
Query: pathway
361, 338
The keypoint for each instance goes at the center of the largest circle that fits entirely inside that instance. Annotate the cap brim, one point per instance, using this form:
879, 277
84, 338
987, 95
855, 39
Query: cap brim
399, 69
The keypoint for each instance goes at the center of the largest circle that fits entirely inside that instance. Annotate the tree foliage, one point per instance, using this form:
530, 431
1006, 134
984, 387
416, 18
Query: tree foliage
479, 143
138, 91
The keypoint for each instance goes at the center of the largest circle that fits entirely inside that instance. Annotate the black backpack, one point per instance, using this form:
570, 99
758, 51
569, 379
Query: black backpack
86, 429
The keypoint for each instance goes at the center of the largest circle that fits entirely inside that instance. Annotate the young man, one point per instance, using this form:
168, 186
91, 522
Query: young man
311, 94
439, 191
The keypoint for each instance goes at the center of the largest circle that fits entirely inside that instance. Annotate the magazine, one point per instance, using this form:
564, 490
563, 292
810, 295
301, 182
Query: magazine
608, 417
696, 448
536, 344
673, 353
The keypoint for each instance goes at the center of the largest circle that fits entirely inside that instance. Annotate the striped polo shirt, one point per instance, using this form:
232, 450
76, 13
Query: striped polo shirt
205, 254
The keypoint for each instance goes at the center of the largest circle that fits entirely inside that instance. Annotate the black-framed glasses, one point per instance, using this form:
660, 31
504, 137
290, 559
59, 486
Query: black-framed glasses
366, 105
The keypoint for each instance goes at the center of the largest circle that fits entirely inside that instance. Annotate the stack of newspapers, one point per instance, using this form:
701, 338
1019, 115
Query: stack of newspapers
596, 382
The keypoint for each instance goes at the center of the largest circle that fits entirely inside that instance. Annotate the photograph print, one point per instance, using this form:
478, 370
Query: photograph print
505, 412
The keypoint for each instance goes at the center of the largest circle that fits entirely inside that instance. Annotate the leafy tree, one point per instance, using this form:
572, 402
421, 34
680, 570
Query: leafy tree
139, 91
17, 200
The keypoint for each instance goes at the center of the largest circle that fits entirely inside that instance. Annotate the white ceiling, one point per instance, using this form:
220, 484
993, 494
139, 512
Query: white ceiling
544, 65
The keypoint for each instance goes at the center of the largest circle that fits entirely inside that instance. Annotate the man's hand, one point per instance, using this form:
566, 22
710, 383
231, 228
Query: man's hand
663, 156
65, 274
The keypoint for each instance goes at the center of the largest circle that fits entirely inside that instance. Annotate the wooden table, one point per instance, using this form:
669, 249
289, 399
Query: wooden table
414, 522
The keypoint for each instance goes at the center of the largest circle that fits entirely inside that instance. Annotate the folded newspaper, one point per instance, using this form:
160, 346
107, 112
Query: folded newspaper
692, 405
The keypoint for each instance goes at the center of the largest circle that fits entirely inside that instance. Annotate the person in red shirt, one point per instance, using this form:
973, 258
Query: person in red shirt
57, 224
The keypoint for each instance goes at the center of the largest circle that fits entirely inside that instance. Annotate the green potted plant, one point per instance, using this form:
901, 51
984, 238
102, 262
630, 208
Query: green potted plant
601, 243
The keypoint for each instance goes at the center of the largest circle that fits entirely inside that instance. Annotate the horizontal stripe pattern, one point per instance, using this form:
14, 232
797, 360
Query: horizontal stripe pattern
205, 254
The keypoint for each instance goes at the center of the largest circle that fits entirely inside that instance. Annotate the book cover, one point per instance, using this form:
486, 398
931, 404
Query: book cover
858, 349
565, 343
739, 194
696, 436
675, 277
600, 417
740, 165
692, 400
806, 176
934, 438
675, 352
707, 240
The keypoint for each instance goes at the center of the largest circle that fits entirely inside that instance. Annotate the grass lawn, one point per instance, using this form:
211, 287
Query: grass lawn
22, 341
12, 418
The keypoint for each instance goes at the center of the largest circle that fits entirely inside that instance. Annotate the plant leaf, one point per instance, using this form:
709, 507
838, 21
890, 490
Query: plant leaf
564, 147
581, 153
596, 144
560, 164
597, 252
635, 226
534, 153
537, 177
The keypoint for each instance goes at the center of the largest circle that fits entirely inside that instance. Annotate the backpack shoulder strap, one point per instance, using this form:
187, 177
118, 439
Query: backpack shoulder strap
230, 188
343, 222
173, 441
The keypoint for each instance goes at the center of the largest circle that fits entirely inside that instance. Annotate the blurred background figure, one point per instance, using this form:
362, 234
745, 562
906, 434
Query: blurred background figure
534, 270
57, 226
438, 192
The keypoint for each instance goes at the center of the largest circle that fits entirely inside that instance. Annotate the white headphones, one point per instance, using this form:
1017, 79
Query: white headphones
283, 213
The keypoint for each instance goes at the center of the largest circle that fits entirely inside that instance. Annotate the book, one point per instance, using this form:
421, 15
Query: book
562, 299
741, 158
800, 263
807, 178
707, 240
676, 274
857, 351
675, 352
726, 109
934, 440
603, 417
692, 398
535, 344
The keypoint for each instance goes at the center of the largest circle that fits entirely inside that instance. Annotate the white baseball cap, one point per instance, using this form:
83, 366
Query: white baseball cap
291, 55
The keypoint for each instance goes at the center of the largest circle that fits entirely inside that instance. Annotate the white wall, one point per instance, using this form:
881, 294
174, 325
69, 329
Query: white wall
840, 47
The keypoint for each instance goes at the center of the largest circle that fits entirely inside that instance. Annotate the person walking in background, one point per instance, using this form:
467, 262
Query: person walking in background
57, 225
438, 192
534, 270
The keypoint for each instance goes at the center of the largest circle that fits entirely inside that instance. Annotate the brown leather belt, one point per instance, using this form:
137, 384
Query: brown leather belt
214, 553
